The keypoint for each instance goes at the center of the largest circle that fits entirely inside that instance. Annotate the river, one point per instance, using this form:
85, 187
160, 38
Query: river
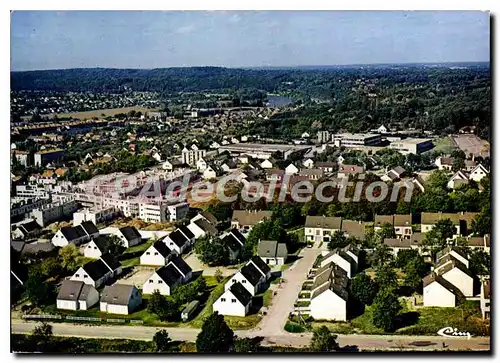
278, 101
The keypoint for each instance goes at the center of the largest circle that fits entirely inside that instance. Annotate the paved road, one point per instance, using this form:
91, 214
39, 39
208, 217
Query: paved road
282, 304
362, 342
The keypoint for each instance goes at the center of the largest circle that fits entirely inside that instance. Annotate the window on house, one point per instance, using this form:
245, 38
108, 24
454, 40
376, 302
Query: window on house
77, 275
160, 281
243, 281
223, 299
233, 300
85, 276
148, 253
234, 281
150, 281
156, 253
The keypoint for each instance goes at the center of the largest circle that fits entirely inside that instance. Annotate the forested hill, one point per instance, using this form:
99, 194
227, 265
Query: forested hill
191, 79
313, 81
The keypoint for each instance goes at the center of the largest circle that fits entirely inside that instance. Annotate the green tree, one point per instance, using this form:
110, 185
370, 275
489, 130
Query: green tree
381, 255
215, 335
458, 164
212, 251
115, 245
385, 308
185, 293
337, 240
161, 341
36, 288
387, 231
69, 257
41, 336
406, 256
363, 288
436, 238
247, 345
50, 267
412, 277
386, 277
155, 302
479, 263
218, 275
166, 308
200, 284
323, 340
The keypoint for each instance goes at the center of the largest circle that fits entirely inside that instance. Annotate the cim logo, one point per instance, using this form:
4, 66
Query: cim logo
450, 332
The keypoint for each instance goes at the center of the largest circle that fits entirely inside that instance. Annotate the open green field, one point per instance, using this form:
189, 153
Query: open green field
444, 145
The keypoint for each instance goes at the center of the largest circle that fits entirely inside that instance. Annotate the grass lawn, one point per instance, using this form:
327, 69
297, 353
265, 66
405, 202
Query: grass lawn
234, 322
138, 248
267, 298
302, 303
134, 261
444, 145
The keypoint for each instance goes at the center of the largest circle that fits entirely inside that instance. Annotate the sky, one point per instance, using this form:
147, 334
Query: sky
158, 39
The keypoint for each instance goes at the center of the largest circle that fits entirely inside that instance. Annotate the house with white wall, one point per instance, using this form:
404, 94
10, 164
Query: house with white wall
235, 301
97, 272
249, 277
320, 228
165, 280
75, 295
120, 299
439, 292
158, 254
129, 236
96, 247
455, 272
478, 173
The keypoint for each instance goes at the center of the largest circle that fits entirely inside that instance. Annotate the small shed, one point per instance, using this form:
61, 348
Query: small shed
189, 310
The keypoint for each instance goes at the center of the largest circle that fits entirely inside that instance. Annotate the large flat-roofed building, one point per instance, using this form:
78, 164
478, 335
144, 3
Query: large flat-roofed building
44, 157
263, 151
356, 140
412, 146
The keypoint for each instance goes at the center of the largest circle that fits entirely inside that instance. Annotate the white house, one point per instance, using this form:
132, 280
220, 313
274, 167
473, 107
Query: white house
158, 254
439, 292
340, 160
96, 247
263, 268
209, 173
214, 145
342, 259
167, 165
458, 179
444, 163
201, 165
266, 164
478, 173
454, 252
177, 211
320, 228
291, 169
329, 302
235, 301
75, 295
382, 130
272, 252
75, 235
182, 267
129, 236
485, 297
178, 241
97, 272
164, 280
120, 299
308, 163
457, 274
249, 277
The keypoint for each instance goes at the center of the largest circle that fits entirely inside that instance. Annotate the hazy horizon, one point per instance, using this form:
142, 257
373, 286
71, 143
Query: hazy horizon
51, 40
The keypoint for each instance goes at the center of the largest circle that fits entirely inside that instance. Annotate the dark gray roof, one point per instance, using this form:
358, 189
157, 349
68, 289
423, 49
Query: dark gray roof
118, 294
251, 273
207, 227
238, 235
181, 265
449, 262
272, 249
70, 290
169, 274
85, 292
130, 233
29, 227
178, 238
187, 232
396, 242
102, 243
337, 289
162, 248
230, 241
260, 264
448, 250
96, 269
323, 222
240, 293
73, 233
111, 261
210, 217
89, 227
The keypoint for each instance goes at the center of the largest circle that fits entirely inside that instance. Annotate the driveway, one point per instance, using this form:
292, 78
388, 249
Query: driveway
137, 276
272, 324
197, 265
